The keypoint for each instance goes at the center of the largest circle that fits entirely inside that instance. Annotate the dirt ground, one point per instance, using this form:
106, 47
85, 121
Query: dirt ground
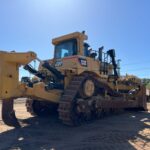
126, 131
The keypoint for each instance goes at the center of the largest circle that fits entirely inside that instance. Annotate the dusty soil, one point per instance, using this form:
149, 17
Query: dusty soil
127, 131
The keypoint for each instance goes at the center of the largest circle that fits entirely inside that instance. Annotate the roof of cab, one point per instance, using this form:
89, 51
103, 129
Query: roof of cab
73, 35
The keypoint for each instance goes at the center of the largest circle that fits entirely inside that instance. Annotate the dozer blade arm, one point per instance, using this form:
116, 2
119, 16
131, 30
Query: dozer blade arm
9, 82
11, 88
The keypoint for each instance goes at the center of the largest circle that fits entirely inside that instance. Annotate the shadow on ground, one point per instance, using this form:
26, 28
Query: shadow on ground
48, 133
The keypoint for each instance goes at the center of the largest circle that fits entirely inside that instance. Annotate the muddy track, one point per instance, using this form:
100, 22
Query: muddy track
74, 109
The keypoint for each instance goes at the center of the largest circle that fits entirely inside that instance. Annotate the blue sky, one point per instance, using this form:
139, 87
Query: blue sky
122, 25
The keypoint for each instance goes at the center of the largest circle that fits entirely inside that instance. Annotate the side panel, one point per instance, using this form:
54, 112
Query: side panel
78, 64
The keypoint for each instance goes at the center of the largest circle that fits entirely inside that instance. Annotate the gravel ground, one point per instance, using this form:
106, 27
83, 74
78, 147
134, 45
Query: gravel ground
126, 131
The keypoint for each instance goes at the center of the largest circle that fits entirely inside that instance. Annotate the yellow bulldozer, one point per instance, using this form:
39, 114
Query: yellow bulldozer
79, 82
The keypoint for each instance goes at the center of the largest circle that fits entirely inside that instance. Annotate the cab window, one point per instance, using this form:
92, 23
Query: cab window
66, 48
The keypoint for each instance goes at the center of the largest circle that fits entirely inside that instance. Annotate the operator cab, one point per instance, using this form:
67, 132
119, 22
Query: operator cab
65, 49
74, 44
69, 48
69, 45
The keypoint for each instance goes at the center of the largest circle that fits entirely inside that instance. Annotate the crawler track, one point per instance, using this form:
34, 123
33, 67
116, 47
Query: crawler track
68, 101
74, 110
